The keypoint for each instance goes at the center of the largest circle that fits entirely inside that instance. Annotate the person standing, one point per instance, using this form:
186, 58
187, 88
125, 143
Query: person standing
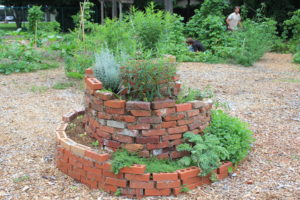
234, 19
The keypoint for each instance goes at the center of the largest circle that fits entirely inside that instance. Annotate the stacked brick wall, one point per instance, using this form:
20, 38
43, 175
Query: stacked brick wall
150, 128
94, 170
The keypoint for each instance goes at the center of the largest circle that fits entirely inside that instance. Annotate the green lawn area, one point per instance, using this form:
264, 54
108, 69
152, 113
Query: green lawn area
8, 27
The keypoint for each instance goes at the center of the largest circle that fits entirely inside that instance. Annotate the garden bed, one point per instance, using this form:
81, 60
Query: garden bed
94, 169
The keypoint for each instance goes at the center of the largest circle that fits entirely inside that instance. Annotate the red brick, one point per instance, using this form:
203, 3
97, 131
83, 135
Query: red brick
150, 120
197, 103
112, 143
177, 191
89, 71
104, 166
146, 140
116, 103
191, 180
69, 116
96, 156
188, 172
104, 95
163, 155
164, 111
132, 192
183, 107
93, 84
123, 138
107, 173
171, 137
157, 192
134, 169
176, 78
163, 104
192, 113
80, 172
206, 179
137, 177
165, 176
108, 129
158, 146
222, 176
223, 169
185, 122
174, 117
110, 188
103, 115
154, 132
124, 118
119, 111
133, 147
178, 129
140, 113
176, 142
138, 126
137, 105
177, 154
168, 124
90, 183
194, 125
116, 182
144, 154
195, 131
167, 184
74, 175
103, 134
141, 184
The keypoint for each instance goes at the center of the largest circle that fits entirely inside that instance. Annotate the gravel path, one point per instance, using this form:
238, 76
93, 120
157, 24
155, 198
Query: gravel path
266, 95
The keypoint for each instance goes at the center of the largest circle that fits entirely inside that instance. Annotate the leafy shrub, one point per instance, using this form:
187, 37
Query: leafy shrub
107, 70
206, 152
233, 134
35, 15
16, 57
123, 158
145, 80
49, 27
292, 26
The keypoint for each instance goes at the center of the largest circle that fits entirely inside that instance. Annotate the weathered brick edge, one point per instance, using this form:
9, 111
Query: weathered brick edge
150, 128
94, 170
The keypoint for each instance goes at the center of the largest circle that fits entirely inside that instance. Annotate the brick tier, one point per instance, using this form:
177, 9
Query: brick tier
150, 128
94, 170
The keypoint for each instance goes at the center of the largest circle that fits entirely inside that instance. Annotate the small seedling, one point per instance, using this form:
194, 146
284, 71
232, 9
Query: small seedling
73, 187
118, 192
95, 144
21, 178
80, 117
184, 189
62, 85
82, 135
230, 170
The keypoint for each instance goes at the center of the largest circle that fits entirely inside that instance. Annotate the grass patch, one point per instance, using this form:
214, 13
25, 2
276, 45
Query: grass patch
123, 158
38, 89
21, 179
62, 85
8, 27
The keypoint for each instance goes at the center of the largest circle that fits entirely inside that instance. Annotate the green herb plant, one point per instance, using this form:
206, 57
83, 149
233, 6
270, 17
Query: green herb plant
206, 152
233, 135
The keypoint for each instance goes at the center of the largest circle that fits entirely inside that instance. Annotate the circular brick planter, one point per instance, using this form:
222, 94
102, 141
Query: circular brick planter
94, 170
150, 128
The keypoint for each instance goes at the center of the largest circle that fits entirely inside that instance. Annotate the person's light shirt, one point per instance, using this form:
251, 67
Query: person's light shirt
234, 19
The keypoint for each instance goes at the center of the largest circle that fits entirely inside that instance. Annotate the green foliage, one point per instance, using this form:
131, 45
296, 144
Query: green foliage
35, 15
190, 94
296, 58
213, 177
184, 189
233, 134
123, 158
107, 70
292, 26
49, 27
145, 80
118, 192
88, 11
206, 152
21, 178
17, 57
95, 144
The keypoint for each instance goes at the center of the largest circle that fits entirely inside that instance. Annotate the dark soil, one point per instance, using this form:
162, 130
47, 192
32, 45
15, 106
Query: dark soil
76, 132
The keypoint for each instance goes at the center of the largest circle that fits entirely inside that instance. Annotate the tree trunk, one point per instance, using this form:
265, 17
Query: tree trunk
18, 14
114, 9
169, 5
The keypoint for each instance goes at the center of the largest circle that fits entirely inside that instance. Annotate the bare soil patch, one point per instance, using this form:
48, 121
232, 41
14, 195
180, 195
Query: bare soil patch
265, 95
